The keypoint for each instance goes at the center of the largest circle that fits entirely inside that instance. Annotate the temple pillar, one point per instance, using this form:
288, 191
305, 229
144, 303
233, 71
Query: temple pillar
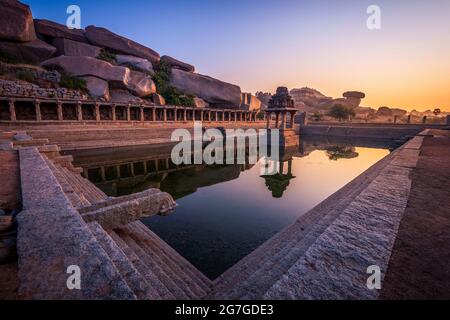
201, 115
184, 114
12, 111
424, 120
395, 119
114, 112
97, 112
129, 113
165, 115
290, 167
283, 121
144, 164
37, 106
154, 114
103, 174
118, 171
79, 112
175, 112
409, 119
60, 111
141, 114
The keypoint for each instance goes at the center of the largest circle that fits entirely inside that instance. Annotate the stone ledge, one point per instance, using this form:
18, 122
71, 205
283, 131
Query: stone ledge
118, 212
52, 236
334, 267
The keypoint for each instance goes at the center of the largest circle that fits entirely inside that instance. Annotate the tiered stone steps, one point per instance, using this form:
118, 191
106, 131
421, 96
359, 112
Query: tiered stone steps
144, 261
76, 137
136, 281
254, 275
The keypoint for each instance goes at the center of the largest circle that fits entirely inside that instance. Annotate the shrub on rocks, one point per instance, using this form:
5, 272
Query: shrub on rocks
171, 95
26, 75
73, 83
107, 56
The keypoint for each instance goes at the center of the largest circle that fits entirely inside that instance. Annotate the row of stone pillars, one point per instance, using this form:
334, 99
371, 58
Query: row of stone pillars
280, 119
158, 113
423, 121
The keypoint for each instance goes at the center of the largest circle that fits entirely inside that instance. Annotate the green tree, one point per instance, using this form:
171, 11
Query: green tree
341, 112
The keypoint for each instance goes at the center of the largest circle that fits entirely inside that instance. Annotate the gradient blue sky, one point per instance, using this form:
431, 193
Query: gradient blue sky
261, 44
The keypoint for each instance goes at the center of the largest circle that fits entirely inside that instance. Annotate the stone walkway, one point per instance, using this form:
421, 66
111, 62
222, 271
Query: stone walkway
420, 264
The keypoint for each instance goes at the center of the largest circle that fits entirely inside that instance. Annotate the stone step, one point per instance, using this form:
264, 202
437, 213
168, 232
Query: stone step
152, 249
148, 273
271, 261
90, 191
75, 197
204, 282
78, 189
363, 234
133, 278
84, 187
167, 276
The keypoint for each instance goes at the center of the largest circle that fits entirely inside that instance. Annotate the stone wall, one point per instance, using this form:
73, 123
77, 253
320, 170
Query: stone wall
19, 88
364, 131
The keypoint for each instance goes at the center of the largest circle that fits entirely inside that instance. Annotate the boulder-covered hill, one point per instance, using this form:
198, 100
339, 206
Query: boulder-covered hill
105, 65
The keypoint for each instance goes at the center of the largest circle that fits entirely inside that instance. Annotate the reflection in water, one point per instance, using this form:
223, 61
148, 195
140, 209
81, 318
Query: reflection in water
341, 152
279, 182
225, 211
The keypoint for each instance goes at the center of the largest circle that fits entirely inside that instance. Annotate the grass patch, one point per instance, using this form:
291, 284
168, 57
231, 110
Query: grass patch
107, 56
74, 83
26, 75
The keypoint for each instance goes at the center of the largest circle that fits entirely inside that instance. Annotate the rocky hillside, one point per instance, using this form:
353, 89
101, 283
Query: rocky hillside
314, 102
105, 65
308, 99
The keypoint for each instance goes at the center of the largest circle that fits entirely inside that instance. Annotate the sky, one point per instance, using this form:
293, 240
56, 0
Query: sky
322, 44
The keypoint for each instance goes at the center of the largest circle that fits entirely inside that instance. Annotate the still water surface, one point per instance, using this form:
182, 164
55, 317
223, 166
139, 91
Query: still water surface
226, 212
